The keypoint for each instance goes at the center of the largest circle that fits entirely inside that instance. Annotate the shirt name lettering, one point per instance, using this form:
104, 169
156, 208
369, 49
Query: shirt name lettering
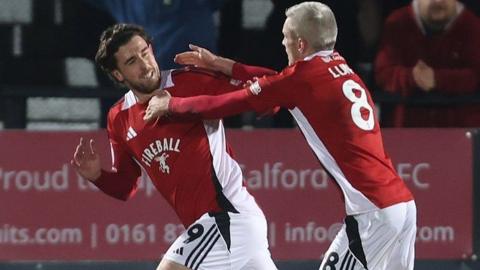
340, 70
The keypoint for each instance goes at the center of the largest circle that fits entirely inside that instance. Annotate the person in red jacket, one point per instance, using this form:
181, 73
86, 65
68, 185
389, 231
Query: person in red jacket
336, 115
189, 162
431, 46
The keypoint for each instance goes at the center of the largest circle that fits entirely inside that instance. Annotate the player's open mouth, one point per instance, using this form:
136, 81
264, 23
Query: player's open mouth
149, 75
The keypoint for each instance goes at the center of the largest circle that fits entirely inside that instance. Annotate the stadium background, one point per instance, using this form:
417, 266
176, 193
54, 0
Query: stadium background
50, 87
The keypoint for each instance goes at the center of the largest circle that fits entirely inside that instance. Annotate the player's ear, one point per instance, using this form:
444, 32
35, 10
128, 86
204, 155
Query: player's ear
117, 75
301, 45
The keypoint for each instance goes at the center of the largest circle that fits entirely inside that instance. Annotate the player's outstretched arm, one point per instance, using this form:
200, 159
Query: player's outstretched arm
86, 160
201, 57
157, 106
202, 107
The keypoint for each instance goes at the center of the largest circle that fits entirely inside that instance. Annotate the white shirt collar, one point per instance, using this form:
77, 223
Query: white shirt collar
166, 82
319, 53
166, 79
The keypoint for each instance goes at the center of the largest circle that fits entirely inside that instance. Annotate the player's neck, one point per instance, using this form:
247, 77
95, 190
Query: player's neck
307, 53
143, 97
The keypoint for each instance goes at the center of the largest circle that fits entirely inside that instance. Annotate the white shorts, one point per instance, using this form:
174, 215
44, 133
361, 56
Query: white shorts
378, 240
223, 241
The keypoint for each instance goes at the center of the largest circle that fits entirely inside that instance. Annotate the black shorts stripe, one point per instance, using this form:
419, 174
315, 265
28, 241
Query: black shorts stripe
222, 220
208, 251
354, 240
353, 263
212, 229
347, 254
209, 240
350, 257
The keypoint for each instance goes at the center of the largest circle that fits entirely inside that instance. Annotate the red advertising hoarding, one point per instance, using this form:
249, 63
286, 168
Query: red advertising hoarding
48, 212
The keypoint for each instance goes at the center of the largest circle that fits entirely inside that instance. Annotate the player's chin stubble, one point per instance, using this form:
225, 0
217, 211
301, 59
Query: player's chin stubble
147, 87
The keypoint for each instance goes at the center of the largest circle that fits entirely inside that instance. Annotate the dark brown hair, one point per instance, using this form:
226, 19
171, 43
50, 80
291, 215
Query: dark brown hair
113, 38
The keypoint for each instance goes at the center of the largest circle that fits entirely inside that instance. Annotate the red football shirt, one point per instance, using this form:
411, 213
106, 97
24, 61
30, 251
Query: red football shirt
336, 115
188, 161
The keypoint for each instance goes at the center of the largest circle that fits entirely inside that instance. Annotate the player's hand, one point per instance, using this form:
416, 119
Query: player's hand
198, 56
157, 106
86, 160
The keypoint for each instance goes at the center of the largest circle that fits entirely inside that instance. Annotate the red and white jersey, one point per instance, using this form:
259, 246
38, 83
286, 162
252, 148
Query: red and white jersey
188, 161
335, 113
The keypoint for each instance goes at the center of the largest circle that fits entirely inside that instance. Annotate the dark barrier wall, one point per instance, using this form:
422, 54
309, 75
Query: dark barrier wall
476, 190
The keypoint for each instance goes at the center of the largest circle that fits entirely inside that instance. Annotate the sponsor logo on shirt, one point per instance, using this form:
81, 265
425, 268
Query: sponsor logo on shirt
162, 163
158, 151
131, 134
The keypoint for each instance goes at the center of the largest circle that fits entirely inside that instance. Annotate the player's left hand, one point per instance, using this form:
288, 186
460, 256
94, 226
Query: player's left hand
157, 106
198, 56
86, 160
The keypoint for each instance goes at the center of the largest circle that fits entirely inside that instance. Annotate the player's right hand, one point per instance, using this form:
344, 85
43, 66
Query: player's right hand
157, 106
198, 56
86, 160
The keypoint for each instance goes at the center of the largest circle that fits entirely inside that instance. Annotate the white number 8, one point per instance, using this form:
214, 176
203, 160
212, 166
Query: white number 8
358, 104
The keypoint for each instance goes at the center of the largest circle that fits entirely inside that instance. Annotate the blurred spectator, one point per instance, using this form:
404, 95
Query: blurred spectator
173, 24
430, 46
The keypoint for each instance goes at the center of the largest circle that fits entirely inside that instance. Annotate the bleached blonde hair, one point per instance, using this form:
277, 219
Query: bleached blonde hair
315, 23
